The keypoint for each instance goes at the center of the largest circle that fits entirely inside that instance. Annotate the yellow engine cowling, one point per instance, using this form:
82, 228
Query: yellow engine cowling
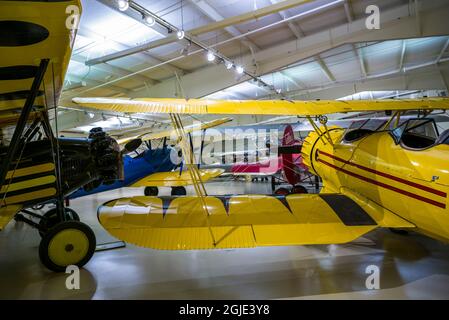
320, 141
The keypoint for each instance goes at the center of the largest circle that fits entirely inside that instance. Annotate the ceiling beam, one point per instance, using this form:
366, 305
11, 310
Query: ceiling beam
252, 15
425, 78
443, 50
92, 82
298, 84
402, 58
108, 68
213, 14
348, 11
142, 56
295, 29
396, 23
324, 68
361, 58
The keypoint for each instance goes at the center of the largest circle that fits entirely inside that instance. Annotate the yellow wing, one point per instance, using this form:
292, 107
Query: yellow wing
47, 37
7, 213
179, 223
260, 107
174, 179
172, 132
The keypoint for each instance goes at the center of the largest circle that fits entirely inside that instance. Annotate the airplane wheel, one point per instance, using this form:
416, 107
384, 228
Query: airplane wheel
299, 190
282, 192
178, 191
151, 191
68, 243
51, 219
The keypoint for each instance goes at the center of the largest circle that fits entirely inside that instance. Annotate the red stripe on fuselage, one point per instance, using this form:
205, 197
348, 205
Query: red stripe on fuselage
386, 175
386, 186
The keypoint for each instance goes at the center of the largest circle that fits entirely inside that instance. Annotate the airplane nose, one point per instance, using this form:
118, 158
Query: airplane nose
107, 156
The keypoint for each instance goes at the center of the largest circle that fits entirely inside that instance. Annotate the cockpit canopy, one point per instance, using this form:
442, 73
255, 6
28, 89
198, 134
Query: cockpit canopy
416, 133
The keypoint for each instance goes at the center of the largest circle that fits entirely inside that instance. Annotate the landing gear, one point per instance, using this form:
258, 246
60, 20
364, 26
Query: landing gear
295, 190
282, 192
151, 191
298, 190
178, 191
67, 243
51, 219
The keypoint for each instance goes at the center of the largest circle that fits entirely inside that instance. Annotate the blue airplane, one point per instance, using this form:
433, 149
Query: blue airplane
152, 161
148, 162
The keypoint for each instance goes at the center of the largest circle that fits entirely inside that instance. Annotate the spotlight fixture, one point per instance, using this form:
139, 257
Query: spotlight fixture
149, 20
210, 56
180, 34
239, 69
229, 65
123, 5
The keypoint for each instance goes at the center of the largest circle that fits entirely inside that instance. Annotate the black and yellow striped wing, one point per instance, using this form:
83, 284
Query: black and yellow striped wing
180, 223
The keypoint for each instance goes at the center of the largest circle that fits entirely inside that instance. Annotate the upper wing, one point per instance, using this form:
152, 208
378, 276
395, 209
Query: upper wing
174, 179
261, 107
31, 31
172, 132
176, 223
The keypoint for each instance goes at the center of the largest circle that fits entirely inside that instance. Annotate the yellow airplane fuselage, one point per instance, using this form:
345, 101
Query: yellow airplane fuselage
413, 184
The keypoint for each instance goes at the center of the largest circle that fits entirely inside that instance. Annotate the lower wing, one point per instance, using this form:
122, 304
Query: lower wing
180, 223
174, 179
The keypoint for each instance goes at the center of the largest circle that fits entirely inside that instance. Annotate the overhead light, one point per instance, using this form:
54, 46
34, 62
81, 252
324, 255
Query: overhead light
149, 20
229, 65
210, 56
180, 34
239, 69
91, 115
123, 5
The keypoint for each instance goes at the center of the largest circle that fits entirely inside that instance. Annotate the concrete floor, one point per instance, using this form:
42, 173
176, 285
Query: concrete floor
411, 266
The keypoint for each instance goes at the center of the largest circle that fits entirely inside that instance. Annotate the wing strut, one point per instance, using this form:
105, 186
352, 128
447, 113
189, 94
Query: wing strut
14, 144
189, 159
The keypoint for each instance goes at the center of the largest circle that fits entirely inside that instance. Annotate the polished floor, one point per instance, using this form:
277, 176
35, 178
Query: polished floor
410, 266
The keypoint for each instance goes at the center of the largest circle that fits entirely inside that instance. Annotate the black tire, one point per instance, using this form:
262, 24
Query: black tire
282, 192
298, 190
151, 191
51, 219
54, 249
401, 232
178, 191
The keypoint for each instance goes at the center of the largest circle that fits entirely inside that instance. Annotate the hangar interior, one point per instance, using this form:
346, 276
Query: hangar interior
241, 50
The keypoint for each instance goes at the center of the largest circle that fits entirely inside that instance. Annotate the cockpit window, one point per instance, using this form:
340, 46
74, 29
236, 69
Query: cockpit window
416, 133
361, 128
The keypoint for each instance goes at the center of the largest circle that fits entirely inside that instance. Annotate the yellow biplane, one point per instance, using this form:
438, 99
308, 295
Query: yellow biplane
37, 166
392, 174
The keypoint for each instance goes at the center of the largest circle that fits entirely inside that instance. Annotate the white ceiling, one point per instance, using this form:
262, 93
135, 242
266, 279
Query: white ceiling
104, 30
